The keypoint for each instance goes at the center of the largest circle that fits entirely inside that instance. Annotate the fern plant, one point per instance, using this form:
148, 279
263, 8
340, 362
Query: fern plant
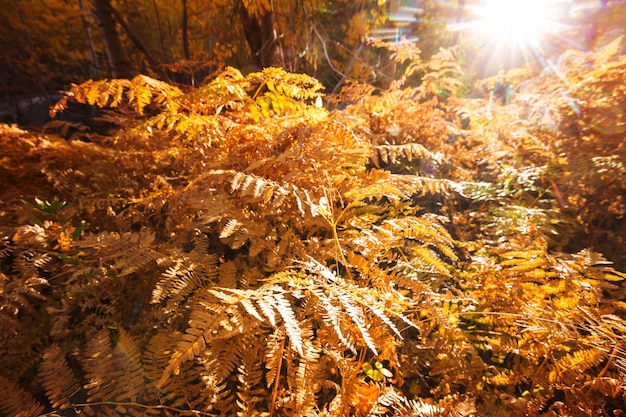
238, 250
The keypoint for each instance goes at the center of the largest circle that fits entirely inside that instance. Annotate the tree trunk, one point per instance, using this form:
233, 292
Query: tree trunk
135, 39
184, 28
164, 56
261, 37
93, 60
118, 61
34, 55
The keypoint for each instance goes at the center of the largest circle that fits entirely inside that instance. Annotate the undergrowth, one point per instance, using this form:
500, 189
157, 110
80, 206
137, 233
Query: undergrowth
241, 250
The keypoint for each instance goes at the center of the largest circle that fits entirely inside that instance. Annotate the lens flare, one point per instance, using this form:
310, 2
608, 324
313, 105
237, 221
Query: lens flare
510, 33
515, 21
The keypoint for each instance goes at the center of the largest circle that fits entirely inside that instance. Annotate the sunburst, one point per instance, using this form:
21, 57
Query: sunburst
509, 32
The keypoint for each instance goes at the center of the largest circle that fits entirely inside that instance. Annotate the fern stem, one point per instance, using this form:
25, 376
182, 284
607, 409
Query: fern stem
258, 90
343, 258
147, 407
610, 360
334, 224
275, 387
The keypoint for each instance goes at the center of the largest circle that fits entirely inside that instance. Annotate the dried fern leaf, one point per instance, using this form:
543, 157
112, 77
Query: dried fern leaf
331, 314
378, 191
200, 130
188, 273
144, 90
57, 378
390, 154
230, 228
357, 316
292, 327
283, 93
274, 356
140, 92
125, 254
208, 322
304, 398
269, 299
250, 391
226, 91
120, 377
195, 387
297, 86
227, 354
15, 402
576, 363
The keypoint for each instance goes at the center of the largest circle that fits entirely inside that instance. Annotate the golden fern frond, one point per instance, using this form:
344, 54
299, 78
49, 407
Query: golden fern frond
195, 387
130, 379
274, 354
227, 354
576, 363
390, 154
352, 301
273, 102
231, 227
250, 390
290, 322
285, 93
262, 189
389, 400
15, 402
423, 260
378, 191
226, 91
157, 354
228, 275
298, 377
420, 407
124, 254
393, 402
209, 321
28, 264
398, 187
140, 92
180, 280
441, 78
592, 268
294, 85
100, 93
352, 91
423, 186
331, 315
270, 300
57, 378
182, 127
417, 234
236, 235
26, 287
144, 91
186, 274
401, 53
119, 377
406, 276
216, 206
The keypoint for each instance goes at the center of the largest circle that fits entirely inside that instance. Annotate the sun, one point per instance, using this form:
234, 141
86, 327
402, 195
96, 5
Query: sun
511, 33
515, 21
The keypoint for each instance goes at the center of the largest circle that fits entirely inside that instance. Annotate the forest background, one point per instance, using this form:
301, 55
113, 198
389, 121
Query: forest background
311, 208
